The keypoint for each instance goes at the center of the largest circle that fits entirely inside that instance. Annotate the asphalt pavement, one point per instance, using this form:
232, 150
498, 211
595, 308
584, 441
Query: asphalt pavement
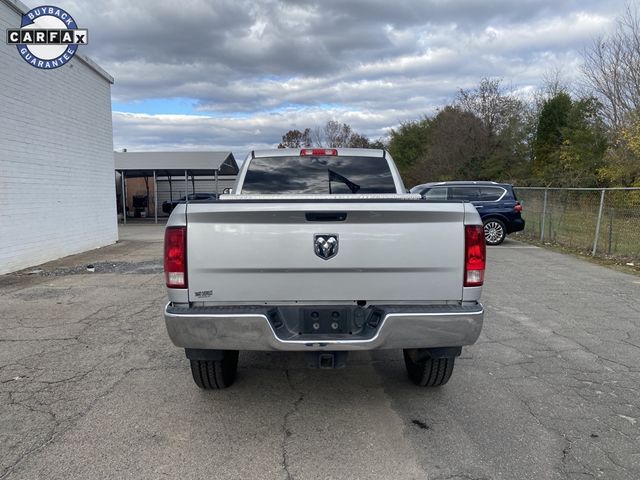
92, 388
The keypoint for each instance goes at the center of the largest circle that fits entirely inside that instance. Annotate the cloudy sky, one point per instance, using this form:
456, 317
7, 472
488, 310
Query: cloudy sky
238, 74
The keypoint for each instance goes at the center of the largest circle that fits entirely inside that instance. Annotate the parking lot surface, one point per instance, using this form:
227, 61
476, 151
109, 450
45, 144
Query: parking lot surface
92, 388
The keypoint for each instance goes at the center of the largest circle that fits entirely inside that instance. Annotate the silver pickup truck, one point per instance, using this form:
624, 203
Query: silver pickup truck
322, 251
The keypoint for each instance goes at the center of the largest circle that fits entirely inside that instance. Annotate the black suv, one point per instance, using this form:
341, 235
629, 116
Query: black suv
496, 203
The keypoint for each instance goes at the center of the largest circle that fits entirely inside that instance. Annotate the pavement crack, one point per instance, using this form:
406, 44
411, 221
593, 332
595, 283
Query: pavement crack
57, 429
598, 355
460, 476
286, 432
50, 435
566, 451
610, 457
59, 339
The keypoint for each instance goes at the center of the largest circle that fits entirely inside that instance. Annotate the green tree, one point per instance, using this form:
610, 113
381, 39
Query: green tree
409, 142
502, 144
553, 118
622, 160
483, 135
584, 144
570, 144
456, 145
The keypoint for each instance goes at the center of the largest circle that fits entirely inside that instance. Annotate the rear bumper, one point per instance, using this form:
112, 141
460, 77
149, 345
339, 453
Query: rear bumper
515, 225
250, 328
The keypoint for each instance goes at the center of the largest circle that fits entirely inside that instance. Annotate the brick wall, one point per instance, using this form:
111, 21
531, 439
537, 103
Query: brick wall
57, 187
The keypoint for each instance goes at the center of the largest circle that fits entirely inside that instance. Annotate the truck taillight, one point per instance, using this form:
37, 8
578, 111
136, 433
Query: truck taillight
475, 255
518, 207
175, 257
318, 151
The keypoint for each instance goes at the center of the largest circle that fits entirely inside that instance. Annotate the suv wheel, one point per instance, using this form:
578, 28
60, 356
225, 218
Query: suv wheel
494, 231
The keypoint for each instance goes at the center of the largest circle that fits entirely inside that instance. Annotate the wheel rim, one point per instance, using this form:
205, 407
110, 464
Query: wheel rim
493, 232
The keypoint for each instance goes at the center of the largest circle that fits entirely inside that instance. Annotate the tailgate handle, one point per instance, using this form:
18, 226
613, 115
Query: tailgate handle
326, 216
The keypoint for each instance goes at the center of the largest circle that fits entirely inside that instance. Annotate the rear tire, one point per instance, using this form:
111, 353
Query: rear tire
215, 374
494, 231
430, 372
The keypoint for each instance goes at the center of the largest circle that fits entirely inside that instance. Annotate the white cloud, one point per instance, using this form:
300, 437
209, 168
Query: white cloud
256, 69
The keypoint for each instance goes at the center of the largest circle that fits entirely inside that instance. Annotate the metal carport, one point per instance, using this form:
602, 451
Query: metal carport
187, 164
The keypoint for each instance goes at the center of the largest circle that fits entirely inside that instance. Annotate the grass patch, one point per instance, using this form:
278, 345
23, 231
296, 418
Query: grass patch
571, 218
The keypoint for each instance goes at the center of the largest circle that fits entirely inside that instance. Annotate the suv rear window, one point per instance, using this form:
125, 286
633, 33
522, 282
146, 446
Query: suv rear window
468, 194
491, 194
318, 175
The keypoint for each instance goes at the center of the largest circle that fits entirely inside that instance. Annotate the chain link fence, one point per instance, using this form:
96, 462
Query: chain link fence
601, 221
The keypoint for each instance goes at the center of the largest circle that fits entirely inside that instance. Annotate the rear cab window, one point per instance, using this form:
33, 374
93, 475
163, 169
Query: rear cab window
318, 175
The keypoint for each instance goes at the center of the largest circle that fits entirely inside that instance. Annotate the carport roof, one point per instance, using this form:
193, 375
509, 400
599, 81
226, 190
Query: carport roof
138, 164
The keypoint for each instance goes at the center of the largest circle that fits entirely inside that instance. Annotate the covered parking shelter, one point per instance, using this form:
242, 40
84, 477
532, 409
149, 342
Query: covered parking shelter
176, 170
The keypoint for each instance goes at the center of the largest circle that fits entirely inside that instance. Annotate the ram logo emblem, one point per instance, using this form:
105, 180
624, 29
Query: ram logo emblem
325, 245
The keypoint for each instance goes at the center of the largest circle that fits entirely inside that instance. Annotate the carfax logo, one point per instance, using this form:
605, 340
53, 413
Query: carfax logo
48, 37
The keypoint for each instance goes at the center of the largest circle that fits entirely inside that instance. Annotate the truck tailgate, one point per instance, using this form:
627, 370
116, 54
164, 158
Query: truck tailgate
263, 252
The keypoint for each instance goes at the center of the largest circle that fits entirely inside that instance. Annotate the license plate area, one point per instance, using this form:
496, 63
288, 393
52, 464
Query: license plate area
325, 320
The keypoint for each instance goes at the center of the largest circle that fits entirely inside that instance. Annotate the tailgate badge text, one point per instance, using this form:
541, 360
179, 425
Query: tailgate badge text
204, 294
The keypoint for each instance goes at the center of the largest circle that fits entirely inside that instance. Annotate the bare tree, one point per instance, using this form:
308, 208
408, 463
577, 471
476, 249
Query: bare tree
296, 139
488, 102
334, 135
337, 134
554, 82
317, 136
612, 68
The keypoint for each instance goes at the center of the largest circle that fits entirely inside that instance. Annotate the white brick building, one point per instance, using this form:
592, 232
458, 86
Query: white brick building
57, 189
